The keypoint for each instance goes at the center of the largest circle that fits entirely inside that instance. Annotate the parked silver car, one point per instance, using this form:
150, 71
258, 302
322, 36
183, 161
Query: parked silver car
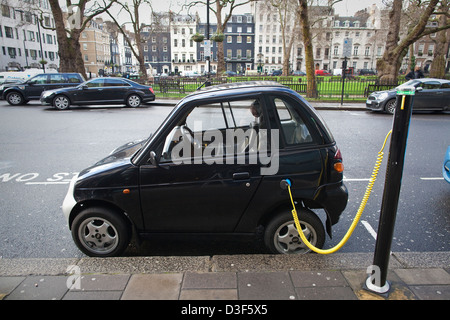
431, 94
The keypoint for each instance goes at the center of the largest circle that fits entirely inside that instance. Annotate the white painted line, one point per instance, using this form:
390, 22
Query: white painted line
432, 179
369, 229
48, 182
363, 179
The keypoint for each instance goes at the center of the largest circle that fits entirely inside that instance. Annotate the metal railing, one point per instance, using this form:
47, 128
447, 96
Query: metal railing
329, 88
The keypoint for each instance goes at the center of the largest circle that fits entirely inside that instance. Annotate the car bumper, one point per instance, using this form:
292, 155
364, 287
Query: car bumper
374, 105
69, 201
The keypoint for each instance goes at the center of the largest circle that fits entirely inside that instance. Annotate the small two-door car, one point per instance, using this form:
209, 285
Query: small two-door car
430, 95
100, 91
31, 89
214, 167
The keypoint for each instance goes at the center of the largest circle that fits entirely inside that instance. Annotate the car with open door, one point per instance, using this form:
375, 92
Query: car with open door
213, 168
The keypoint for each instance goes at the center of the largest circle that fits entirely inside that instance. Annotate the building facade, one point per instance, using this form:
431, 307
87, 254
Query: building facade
24, 42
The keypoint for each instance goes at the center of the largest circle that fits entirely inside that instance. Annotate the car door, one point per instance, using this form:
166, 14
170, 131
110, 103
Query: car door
89, 92
428, 96
36, 86
200, 187
114, 90
56, 81
445, 88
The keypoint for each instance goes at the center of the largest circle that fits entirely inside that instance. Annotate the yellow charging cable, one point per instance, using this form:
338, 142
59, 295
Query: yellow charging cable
357, 216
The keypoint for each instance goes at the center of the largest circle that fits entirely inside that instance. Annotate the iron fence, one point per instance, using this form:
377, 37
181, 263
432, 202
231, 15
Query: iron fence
328, 88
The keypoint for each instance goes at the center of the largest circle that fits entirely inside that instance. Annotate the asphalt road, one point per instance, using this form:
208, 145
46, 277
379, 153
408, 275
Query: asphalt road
41, 149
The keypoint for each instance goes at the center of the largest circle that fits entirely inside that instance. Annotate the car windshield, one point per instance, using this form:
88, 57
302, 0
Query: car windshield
411, 83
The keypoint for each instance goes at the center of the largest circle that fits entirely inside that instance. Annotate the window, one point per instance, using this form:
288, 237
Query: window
115, 83
71, 78
95, 83
429, 85
85, 46
40, 79
9, 32
239, 39
292, 126
216, 129
56, 78
229, 39
355, 50
367, 51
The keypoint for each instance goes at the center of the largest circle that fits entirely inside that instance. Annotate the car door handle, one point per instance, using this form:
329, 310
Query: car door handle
241, 176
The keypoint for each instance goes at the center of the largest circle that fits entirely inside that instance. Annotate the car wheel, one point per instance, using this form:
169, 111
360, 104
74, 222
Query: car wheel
390, 106
281, 235
14, 98
61, 102
100, 232
134, 101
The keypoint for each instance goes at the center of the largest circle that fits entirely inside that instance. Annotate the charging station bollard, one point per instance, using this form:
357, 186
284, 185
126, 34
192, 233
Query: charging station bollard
377, 282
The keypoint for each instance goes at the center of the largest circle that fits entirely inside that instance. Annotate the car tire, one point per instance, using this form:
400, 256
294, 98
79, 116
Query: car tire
101, 232
61, 102
390, 106
281, 235
15, 98
133, 101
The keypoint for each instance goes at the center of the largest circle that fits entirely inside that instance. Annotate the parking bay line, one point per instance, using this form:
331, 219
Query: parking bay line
47, 182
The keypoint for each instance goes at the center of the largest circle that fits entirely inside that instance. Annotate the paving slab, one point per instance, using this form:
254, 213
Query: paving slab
265, 286
153, 287
40, 288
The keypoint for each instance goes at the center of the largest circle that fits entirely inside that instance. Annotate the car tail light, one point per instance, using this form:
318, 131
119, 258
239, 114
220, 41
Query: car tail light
151, 89
338, 164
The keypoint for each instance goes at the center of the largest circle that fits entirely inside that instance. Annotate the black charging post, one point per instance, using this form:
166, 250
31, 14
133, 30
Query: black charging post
376, 282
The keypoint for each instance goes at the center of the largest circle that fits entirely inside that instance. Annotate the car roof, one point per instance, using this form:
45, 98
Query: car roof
238, 85
432, 79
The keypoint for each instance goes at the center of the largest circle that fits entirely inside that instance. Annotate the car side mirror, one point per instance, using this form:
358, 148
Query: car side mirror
418, 89
84, 87
153, 158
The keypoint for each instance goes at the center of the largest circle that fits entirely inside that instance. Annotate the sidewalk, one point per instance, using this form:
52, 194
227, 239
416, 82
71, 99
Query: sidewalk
413, 276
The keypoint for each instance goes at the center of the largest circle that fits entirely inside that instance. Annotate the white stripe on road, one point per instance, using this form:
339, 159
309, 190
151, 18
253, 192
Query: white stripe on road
49, 182
369, 229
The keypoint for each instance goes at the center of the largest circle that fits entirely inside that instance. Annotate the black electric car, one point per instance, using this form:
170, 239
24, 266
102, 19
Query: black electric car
214, 167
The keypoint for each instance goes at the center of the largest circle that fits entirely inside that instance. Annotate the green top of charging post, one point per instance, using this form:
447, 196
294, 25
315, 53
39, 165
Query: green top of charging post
406, 91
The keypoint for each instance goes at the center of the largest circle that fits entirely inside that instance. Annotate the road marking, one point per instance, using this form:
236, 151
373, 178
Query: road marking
432, 179
362, 179
48, 182
369, 229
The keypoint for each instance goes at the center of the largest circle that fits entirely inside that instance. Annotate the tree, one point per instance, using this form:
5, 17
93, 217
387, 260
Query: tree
132, 13
311, 89
68, 35
389, 64
437, 69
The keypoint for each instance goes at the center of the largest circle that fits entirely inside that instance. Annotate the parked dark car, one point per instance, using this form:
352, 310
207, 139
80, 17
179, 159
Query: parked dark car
20, 93
276, 73
367, 72
431, 94
100, 91
214, 167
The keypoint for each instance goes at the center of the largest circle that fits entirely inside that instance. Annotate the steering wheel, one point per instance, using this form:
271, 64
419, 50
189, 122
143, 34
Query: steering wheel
187, 134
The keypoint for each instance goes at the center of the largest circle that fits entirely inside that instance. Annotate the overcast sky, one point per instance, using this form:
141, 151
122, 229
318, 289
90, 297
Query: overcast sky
343, 8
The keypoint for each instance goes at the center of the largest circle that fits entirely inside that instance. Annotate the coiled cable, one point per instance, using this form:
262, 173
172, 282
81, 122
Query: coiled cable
358, 213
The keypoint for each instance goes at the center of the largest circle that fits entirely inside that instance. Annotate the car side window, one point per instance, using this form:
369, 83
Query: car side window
445, 85
56, 78
95, 83
215, 128
292, 125
114, 83
431, 85
71, 78
40, 79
